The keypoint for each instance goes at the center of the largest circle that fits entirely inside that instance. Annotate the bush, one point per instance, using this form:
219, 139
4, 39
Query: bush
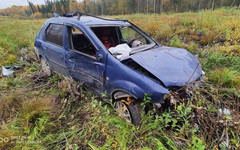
11, 59
38, 15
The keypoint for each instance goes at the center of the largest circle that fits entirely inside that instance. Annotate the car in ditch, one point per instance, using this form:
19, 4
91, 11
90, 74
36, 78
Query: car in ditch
115, 57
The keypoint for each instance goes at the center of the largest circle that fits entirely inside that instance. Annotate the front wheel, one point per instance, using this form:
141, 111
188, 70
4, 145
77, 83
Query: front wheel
130, 112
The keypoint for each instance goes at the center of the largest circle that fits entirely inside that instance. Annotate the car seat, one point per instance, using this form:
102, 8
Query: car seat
106, 38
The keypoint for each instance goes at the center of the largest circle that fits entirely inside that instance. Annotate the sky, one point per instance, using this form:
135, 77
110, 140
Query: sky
9, 3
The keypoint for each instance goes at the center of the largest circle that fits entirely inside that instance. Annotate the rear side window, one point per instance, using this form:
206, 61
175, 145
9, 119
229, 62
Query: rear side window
54, 34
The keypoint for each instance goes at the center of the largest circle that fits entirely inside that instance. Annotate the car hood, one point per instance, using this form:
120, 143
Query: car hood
173, 66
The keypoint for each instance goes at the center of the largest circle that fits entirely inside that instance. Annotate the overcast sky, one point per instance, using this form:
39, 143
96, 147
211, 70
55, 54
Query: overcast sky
9, 3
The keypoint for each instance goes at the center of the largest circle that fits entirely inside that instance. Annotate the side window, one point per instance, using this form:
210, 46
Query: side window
54, 34
78, 41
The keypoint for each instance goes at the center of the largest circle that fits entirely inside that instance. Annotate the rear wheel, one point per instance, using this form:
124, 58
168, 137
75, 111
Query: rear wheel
45, 67
130, 112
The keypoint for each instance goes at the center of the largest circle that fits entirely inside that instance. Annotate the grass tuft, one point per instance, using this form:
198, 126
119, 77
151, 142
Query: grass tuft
225, 78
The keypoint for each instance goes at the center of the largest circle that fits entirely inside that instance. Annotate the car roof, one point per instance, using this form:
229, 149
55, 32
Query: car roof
90, 21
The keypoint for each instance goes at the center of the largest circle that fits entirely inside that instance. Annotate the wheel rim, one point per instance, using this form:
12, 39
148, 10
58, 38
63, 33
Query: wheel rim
45, 67
123, 111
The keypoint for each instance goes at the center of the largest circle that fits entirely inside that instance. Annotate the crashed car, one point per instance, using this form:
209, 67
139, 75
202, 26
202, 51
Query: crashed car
115, 57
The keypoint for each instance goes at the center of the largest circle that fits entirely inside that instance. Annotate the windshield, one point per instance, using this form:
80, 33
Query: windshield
125, 40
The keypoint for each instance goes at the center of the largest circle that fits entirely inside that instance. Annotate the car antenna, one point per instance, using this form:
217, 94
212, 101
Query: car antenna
55, 14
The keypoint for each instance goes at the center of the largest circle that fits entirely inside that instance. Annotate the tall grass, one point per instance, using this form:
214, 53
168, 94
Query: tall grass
16, 34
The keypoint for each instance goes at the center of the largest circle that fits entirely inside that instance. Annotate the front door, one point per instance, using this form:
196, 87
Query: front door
82, 62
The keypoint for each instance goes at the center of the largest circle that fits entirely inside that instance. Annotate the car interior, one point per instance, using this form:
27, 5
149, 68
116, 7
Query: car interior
79, 42
107, 35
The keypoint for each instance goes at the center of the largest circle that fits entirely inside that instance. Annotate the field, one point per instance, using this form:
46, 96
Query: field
37, 112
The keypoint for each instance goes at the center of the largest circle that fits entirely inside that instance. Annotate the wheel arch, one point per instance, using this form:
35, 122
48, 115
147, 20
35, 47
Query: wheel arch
120, 93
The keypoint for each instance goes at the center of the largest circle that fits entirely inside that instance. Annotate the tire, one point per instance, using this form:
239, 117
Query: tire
130, 112
45, 67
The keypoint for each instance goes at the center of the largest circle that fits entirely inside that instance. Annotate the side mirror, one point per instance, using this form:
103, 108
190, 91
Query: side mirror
99, 57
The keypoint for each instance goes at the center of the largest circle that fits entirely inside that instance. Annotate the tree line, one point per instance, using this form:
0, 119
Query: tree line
117, 7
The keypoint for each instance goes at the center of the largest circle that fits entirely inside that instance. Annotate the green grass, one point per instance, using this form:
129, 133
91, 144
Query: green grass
31, 106
14, 35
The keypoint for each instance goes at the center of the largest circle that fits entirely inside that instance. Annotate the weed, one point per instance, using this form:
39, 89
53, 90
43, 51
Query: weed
193, 47
197, 144
225, 78
220, 60
175, 42
12, 59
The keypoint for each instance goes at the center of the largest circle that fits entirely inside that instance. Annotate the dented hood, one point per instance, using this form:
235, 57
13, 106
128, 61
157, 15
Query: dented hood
173, 66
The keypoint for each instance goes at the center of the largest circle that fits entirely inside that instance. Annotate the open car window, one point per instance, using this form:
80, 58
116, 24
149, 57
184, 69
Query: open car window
123, 40
79, 42
109, 36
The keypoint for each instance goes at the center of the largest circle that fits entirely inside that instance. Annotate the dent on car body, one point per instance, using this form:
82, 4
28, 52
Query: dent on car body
173, 66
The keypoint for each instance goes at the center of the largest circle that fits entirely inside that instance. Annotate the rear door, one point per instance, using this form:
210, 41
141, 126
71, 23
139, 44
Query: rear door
82, 62
53, 48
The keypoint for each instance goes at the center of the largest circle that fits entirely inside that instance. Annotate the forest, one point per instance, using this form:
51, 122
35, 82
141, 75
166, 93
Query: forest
116, 7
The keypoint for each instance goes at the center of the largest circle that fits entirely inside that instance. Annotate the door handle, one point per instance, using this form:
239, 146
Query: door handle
71, 60
97, 63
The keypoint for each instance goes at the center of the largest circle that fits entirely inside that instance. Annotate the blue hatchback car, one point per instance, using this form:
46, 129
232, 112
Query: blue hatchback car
116, 57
